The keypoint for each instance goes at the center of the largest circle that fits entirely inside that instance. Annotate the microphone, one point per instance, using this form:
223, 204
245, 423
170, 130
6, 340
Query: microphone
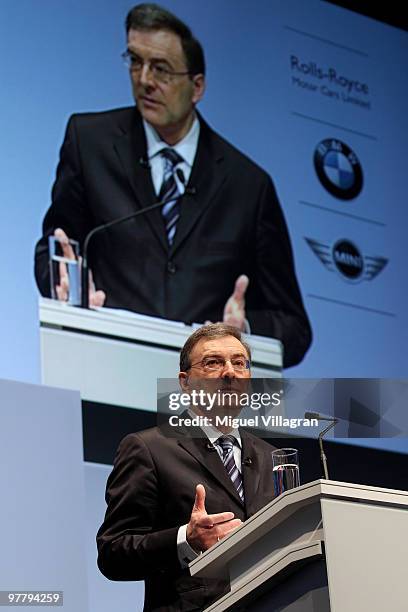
210, 447
333, 421
247, 461
182, 179
144, 162
104, 226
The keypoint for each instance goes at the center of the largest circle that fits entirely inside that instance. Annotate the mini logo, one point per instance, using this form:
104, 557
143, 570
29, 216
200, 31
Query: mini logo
338, 169
346, 258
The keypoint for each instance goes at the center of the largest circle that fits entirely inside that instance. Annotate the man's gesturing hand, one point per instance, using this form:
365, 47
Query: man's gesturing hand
204, 529
234, 311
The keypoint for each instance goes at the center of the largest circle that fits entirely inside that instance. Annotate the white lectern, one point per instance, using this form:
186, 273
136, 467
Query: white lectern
325, 546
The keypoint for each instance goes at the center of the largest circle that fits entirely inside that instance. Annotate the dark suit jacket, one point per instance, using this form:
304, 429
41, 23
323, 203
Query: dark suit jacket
150, 494
231, 225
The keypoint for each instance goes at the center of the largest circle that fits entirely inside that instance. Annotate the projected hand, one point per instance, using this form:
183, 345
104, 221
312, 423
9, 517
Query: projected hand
234, 311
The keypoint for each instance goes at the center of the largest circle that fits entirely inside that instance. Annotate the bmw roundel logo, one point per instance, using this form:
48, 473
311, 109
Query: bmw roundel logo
338, 169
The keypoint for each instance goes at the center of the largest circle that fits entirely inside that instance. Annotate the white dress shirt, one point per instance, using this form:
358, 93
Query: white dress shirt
186, 148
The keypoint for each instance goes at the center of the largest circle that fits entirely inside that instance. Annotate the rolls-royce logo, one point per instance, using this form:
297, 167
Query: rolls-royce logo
338, 169
346, 258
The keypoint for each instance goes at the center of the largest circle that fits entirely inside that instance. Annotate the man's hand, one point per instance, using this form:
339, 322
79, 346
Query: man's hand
96, 298
204, 529
234, 311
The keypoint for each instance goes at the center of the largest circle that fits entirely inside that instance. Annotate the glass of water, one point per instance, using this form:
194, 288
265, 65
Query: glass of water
65, 272
285, 464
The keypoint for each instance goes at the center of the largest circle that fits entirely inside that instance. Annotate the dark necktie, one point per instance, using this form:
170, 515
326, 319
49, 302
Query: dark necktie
169, 192
226, 443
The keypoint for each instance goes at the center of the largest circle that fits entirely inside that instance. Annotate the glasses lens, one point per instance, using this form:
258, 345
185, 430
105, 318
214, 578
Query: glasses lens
159, 74
212, 364
216, 364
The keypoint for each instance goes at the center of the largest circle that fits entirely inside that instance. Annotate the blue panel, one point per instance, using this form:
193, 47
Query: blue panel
42, 510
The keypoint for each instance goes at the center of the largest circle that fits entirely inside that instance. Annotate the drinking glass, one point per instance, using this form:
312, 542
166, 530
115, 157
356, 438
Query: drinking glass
65, 272
285, 464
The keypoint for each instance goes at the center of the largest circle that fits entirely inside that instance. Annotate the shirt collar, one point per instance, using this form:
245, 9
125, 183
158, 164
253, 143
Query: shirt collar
186, 147
213, 434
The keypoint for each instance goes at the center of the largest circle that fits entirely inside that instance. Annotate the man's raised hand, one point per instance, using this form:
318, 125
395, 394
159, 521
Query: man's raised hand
204, 530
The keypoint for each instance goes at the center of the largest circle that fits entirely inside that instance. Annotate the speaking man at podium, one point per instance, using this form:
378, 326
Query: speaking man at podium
219, 250
172, 496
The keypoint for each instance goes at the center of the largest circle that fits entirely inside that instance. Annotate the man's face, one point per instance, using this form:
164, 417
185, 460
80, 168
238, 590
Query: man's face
167, 106
227, 351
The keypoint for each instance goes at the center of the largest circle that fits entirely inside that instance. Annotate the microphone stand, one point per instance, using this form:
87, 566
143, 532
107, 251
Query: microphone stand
333, 422
322, 453
104, 226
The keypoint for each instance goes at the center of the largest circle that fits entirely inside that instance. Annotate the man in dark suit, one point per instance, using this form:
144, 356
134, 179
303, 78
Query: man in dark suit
174, 494
194, 261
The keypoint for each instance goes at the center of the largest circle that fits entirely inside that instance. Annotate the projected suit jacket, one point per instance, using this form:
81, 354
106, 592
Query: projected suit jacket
231, 223
150, 494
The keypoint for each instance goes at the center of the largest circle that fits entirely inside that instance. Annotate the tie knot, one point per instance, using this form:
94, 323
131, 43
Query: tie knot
226, 443
171, 155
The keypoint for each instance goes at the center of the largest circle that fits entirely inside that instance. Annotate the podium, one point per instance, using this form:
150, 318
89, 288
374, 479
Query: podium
324, 546
115, 357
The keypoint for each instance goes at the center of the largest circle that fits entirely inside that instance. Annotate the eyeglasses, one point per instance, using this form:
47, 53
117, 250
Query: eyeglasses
159, 72
217, 364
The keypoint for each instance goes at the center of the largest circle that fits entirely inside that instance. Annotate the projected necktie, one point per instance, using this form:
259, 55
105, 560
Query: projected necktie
226, 443
169, 191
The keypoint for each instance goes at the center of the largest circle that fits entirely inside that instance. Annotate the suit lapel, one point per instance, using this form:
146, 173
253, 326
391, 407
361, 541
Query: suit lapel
207, 176
130, 146
210, 460
253, 464
254, 461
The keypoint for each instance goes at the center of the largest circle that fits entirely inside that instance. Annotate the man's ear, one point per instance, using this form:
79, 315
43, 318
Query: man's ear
184, 382
199, 87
